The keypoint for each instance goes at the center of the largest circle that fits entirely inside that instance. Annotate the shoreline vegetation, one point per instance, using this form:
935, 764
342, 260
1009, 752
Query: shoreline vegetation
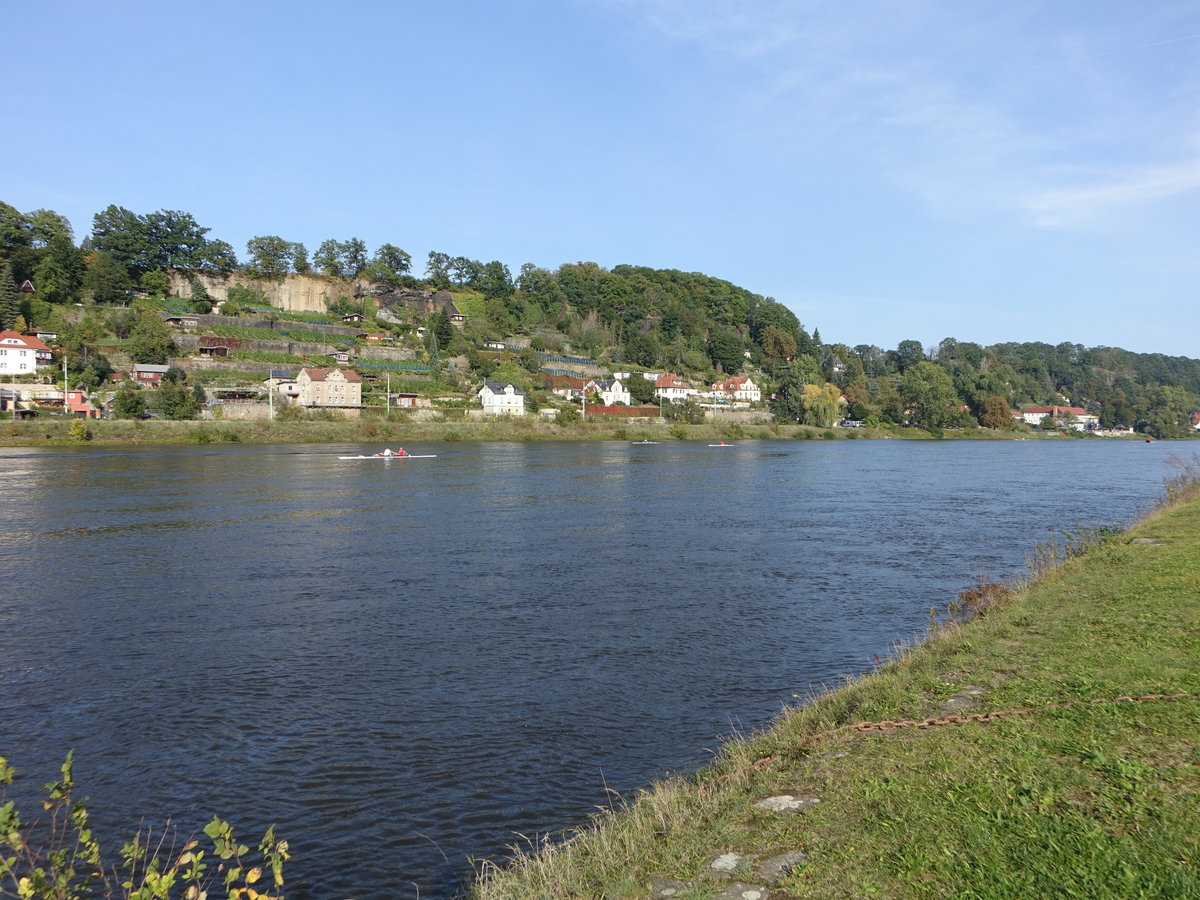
68, 432
1063, 758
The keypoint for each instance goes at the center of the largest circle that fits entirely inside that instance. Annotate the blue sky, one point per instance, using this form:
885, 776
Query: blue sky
889, 170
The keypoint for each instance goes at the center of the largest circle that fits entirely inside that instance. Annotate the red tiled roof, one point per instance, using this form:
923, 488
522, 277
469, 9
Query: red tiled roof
670, 380
320, 374
28, 340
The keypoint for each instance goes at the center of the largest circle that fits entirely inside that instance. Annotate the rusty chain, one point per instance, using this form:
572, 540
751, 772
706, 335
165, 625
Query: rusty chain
896, 724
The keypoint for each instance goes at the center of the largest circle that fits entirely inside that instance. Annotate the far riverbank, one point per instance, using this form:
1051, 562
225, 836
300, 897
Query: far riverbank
51, 432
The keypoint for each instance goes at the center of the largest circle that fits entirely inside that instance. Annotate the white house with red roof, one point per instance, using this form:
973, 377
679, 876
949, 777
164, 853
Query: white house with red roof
673, 388
739, 387
21, 354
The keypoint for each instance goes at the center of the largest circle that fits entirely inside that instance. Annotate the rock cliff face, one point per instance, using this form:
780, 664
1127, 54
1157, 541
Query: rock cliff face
296, 293
308, 293
422, 303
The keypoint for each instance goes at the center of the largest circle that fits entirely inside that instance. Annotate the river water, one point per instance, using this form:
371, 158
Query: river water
403, 664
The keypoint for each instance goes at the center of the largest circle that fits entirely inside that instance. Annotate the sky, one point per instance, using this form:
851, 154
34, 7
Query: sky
889, 169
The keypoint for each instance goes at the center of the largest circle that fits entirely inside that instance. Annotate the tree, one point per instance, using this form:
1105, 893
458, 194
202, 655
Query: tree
271, 257
778, 347
45, 224
122, 234
726, 351
10, 298
217, 256
788, 404
907, 354
927, 390
129, 402
177, 239
641, 390
819, 405
15, 230
441, 325
156, 283
60, 273
107, 279
492, 280
389, 266
996, 414
437, 269
150, 341
176, 400
341, 259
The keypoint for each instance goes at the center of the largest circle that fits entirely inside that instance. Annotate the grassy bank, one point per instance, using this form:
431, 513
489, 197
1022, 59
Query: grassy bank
1051, 800
56, 431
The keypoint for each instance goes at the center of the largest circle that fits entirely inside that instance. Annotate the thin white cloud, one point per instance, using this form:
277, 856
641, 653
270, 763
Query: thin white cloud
1067, 207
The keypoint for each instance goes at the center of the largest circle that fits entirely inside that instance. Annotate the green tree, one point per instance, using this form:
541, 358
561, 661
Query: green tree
10, 298
60, 273
46, 224
437, 269
927, 390
341, 259
150, 340
128, 402
441, 325
176, 400
640, 389
123, 234
494, 280
156, 283
726, 351
271, 257
389, 265
907, 354
217, 256
15, 230
107, 279
819, 405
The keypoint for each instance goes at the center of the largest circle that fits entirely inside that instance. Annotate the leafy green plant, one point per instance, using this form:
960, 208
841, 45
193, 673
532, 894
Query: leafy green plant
79, 433
70, 865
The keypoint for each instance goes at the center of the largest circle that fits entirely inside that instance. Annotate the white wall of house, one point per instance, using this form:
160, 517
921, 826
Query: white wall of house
501, 399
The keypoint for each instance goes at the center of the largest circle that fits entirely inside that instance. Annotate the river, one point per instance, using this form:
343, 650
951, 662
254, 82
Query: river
403, 664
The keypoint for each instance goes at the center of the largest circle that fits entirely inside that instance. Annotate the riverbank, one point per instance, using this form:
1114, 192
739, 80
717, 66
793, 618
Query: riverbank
124, 432
1068, 788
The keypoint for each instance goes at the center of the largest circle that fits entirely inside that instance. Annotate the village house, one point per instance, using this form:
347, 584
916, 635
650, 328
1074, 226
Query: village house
21, 354
739, 388
611, 391
500, 398
672, 388
329, 387
144, 373
78, 404
1078, 419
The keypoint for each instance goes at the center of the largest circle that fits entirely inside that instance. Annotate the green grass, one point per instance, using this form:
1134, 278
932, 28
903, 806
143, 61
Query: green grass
1085, 801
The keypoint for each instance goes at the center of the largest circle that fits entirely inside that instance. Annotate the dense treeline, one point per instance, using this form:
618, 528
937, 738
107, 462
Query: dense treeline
629, 316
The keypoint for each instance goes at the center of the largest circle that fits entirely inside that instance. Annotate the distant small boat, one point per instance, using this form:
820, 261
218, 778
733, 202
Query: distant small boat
722, 444
395, 456
644, 442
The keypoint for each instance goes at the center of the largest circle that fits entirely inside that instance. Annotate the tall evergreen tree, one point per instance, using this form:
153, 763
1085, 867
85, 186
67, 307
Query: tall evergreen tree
10, 298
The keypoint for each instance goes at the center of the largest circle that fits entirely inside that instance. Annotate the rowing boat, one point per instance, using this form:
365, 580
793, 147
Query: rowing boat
395, 456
